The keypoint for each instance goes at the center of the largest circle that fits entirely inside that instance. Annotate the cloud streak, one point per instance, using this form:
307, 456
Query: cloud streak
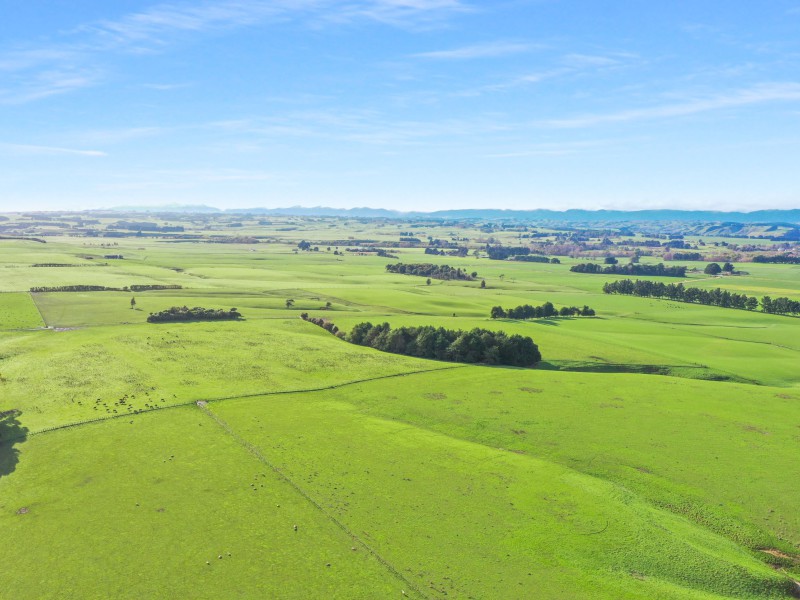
30, 149
488, 50
758, 94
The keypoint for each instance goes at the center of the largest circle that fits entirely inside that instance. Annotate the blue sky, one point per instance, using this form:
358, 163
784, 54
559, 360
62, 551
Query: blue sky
406, 104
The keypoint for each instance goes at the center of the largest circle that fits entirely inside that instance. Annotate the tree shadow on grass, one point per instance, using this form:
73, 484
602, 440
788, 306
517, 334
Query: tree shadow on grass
12, 433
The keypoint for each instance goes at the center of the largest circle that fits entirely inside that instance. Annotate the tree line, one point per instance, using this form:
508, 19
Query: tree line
526, 311
198, 313
460, 251
658, 270
537, 258
783, 259
428, 270
149, 287
437, 343
713, 297
102, 288
687, 256
504, 252
69, 265
75, 288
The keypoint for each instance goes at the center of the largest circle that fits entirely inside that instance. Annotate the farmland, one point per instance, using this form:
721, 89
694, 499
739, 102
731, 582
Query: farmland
652, 453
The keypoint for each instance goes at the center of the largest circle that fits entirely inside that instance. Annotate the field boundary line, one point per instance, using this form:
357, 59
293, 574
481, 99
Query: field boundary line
39, 310
220, 399
333, 386
255, 452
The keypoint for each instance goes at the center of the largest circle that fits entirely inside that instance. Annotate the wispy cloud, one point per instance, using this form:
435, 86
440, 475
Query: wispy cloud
563, 66
759, 94
400, 13
557, 148
159, 23
20, 59
183, 179
45, 84
487, 50
166, 87
580, 61
367, 127
64, 61
116, 136
28, 149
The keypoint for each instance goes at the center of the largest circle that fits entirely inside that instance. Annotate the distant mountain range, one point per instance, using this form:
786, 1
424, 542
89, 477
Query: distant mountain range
573, 215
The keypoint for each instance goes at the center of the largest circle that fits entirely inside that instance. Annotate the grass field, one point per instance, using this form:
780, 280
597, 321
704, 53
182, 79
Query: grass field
652, 454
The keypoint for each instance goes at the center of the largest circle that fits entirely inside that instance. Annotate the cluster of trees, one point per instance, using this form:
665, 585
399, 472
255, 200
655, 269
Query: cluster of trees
429, 270
184, 313
474, 346
715, 297
504, 252
526, 311
458, 251
438, 343
537, 258
714, 268
784, 259
658, 270
687, 256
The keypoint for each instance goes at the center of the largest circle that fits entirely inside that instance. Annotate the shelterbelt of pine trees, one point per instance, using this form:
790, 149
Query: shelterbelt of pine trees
473, 346
714, 297
658, 270
184, 313
102, 288
433, 271
526, 311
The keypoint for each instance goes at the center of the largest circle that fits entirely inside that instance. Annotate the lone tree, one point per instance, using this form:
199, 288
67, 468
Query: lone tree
610, 260
289, 303
728, 267
133, 303
712, 269
483, 283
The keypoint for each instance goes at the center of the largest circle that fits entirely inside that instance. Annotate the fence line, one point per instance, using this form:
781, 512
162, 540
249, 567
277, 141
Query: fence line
220, 399
252, 449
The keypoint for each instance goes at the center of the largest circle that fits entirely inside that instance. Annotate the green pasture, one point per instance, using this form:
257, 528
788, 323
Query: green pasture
651, 454
17, 311
86, 373
143, 507
474, 519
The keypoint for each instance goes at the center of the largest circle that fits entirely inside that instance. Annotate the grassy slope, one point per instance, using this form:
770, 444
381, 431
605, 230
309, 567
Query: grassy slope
17, 311
136, 508
469, 520
667, 438
165, 364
